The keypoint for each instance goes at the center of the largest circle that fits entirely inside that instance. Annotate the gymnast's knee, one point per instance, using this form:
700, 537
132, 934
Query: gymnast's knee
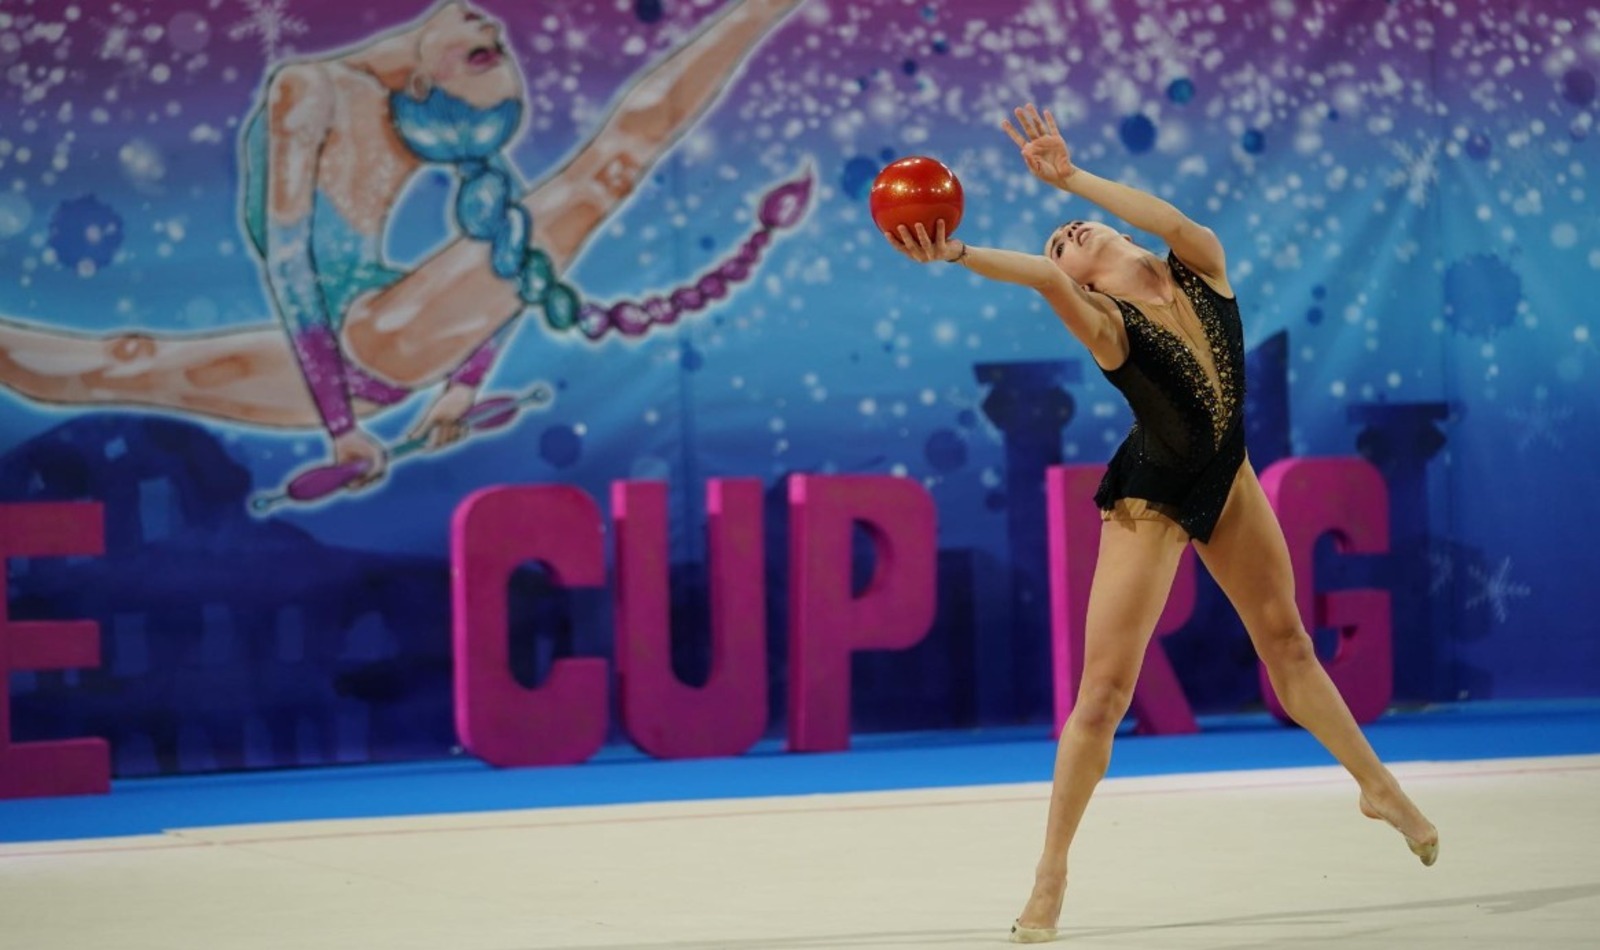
1100, 705
1285, 644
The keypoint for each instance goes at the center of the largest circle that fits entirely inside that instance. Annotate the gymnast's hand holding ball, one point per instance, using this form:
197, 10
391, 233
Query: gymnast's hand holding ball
917, 203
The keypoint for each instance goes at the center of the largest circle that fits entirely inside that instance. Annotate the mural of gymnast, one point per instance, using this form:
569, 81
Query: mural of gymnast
326, 157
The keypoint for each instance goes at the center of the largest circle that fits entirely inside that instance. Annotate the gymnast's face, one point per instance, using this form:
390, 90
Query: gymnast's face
463, 52
1081, 248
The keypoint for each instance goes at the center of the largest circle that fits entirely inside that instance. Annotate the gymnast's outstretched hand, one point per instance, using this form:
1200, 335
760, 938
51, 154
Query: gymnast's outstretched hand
1044, 150
923, 248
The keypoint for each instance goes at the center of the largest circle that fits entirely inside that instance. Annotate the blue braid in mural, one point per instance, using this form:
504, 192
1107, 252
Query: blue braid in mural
443, 129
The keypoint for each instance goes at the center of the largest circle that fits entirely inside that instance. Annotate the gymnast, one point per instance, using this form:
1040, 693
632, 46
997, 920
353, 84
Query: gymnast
1166, 333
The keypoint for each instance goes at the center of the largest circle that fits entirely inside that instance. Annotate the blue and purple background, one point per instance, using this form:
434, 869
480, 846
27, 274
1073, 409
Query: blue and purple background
1407, 192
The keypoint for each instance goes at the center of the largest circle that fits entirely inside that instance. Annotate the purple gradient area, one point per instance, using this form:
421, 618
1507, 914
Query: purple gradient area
158, 95
211, 57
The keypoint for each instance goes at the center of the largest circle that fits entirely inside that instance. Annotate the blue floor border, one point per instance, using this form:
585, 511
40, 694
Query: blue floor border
1482, 730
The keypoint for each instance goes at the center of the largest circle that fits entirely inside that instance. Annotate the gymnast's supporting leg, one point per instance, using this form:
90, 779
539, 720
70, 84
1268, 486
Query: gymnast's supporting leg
1133, 575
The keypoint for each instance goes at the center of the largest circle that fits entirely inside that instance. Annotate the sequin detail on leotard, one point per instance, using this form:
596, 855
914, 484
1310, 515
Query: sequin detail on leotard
1187, 441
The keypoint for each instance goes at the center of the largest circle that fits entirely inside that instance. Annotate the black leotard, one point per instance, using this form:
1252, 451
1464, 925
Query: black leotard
1187, 441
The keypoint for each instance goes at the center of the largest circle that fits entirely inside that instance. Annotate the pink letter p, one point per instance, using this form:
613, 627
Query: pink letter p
827, 622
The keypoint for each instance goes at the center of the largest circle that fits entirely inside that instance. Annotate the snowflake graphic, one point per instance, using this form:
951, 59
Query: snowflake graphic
1418, 171
1159, 47
113, 41
271, 23
1250, 90
1541, 423
133, 71
119, 44
1496, 589
1441, 566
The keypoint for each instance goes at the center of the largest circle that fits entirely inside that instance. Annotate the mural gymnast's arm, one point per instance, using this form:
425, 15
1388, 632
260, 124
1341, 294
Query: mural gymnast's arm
300, 116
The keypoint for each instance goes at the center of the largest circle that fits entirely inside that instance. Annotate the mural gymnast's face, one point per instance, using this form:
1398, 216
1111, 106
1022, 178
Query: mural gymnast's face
463, 52
1083, 248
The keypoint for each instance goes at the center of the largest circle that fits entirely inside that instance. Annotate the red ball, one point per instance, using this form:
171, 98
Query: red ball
916, 190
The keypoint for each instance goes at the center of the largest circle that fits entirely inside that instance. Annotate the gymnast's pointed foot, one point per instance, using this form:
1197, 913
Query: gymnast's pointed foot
1038, 921
1403, 816
1021, 934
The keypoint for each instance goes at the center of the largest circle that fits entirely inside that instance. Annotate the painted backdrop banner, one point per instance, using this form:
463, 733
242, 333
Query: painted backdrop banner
281, 284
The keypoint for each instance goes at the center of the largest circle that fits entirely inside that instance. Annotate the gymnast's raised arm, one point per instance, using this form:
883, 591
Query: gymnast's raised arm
1050, 160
